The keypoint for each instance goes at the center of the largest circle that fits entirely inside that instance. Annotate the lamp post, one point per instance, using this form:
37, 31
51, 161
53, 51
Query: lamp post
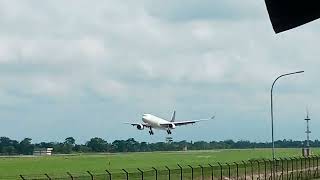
273, 153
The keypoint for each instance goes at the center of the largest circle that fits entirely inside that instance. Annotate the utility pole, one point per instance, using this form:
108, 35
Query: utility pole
272, 135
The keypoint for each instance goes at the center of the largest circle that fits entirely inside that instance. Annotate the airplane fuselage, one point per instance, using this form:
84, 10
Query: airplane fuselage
154, 121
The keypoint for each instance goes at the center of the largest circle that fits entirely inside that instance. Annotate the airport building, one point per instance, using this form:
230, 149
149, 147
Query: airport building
42, 151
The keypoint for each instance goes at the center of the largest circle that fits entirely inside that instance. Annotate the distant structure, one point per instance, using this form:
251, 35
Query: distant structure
42, 152
306, 150
169, 140
185, 148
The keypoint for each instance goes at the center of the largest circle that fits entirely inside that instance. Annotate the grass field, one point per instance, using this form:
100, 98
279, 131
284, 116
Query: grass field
60, 164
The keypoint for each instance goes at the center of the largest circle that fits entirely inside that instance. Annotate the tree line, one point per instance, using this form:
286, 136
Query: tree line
26, 147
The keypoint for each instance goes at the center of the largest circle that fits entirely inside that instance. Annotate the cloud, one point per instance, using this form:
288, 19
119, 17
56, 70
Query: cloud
182, 11
104, 62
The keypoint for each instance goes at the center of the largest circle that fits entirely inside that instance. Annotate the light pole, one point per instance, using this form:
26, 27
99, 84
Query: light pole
273, 154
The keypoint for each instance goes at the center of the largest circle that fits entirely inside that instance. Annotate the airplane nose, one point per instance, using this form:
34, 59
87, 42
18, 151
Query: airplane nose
144, 117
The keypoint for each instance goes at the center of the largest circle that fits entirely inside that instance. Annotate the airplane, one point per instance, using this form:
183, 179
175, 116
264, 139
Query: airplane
153, 122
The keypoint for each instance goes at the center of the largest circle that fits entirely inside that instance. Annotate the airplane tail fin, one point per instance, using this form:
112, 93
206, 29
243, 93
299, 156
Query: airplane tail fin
173, 118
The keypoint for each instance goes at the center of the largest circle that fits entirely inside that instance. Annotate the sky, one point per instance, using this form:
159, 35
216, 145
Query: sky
82, 68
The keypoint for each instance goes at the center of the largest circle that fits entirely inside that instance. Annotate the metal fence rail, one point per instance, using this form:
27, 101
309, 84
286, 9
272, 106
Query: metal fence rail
295, 168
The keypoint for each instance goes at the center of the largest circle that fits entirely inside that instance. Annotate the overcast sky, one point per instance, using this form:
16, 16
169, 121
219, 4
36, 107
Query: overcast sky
82, 68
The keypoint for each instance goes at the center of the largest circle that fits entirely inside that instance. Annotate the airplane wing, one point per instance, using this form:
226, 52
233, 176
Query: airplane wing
180, 123
136, 124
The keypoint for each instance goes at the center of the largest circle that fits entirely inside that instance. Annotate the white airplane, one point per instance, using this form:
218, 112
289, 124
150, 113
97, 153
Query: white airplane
153, 122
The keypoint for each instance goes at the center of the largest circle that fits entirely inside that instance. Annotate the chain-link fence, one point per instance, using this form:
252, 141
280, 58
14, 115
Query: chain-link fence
263, 169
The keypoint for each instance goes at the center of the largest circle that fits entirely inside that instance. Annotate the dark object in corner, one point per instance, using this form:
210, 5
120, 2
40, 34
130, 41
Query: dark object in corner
288, 14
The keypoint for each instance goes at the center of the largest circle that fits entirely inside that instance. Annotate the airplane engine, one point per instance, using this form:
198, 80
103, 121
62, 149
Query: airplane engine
140, 127
172, 126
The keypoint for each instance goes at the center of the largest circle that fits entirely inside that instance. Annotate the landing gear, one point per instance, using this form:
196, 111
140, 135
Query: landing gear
168, 131
151, 132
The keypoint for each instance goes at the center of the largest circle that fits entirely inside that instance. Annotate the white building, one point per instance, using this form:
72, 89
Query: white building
42, 152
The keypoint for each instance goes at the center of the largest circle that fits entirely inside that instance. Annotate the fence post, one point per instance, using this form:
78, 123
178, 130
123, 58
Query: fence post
245, 170
127, 174
305, 167
180, 171
265, 168
47, 176
220, 171
156, 172
276, 168
312, 165
251, 169
297, 168
110, 177
309, 160
201, 172
229, 173
317, 166
301, 163
211, 171
287, 163
288, 168
22, 177
169, 172
70, 175
90, 174
191, 171
258, 168
292, 167
305, 162
271, 168
281, 168
309, 171
313, 168
141, 173
237, 165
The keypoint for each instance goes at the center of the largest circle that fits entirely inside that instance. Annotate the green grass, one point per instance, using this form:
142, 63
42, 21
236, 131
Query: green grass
97, 163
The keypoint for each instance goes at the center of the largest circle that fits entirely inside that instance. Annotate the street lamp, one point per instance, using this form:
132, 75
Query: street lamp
273, 154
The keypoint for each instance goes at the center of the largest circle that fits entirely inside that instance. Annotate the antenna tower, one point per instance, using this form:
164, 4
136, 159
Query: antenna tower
308, 130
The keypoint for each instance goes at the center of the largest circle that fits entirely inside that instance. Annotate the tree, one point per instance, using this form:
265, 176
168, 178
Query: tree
144, 147
25, 146
68, 145
132, 145
8, 146
119, 146
81, 148
70, 141
9, 150
97, 145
